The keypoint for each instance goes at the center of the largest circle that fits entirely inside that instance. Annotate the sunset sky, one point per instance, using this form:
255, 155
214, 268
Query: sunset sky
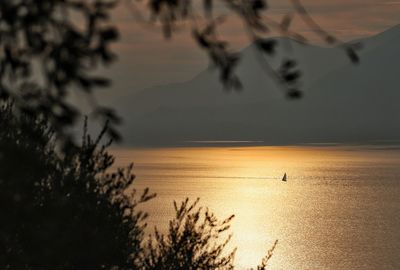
146, 59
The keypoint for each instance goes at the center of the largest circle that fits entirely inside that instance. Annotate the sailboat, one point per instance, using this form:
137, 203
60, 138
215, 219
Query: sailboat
284, 177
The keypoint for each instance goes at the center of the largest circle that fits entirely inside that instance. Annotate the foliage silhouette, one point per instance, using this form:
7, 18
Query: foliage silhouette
63, 211
194, 242
60, 206
174, 14
67, 211
264, 262
191, 242
51, 48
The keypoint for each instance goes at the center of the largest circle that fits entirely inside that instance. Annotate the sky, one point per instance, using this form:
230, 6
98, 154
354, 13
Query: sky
146, 58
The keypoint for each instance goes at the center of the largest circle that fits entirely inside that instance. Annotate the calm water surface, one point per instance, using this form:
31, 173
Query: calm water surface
339, 209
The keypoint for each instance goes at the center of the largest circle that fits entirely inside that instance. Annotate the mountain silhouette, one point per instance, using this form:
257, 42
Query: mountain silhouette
342, 103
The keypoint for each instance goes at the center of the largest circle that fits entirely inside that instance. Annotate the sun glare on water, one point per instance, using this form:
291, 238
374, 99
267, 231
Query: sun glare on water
331, 195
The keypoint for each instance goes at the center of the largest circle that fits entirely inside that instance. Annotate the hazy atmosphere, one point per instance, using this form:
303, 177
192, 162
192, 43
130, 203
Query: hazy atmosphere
147, 60
199, 134
152, 78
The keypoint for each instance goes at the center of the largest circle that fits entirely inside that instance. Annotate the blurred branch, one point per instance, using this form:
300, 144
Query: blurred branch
50, 48
258, 25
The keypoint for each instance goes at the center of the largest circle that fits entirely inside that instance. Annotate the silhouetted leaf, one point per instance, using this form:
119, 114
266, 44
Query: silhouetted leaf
268, 46
352, 55
258, 5
109, 34
200, 39
292, 76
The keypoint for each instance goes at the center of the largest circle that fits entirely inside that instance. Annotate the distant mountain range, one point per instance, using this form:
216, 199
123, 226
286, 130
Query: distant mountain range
343, 103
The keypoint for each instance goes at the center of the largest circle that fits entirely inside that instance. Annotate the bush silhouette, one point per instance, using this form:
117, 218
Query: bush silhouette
63, 211
191, 242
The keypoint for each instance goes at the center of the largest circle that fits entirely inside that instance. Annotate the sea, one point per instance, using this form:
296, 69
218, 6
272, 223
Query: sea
338, 209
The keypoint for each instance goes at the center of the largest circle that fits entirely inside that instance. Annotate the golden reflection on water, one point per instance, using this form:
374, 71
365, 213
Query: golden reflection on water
336, 200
